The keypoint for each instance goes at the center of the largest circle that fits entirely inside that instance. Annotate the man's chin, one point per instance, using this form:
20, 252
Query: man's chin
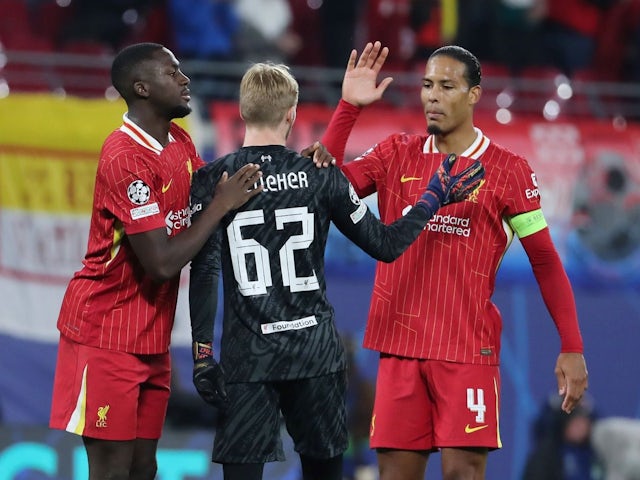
434, 130
181, 111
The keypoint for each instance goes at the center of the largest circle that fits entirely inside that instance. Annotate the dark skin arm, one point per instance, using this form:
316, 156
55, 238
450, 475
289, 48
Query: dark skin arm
163, 257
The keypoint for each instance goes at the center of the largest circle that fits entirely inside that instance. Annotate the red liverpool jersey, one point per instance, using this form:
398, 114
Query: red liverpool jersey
435, 300
140, 186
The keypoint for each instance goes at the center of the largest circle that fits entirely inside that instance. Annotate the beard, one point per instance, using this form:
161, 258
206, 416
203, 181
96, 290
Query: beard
180, 111
434, 130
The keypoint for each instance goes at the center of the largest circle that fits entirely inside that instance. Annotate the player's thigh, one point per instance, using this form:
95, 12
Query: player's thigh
248, 430
466, 402
315, 414
402, 412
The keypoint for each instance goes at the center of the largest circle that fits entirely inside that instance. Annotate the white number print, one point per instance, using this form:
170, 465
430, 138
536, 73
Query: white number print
478, 405
241, 248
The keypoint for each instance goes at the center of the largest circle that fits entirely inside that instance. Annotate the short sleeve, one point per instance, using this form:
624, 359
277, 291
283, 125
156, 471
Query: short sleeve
524, 194
132, 193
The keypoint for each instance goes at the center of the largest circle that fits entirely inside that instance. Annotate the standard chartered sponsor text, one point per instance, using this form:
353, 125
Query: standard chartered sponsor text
450, 224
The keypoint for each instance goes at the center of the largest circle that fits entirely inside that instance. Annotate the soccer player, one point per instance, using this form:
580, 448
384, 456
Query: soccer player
280, 350
431, 316
113, 370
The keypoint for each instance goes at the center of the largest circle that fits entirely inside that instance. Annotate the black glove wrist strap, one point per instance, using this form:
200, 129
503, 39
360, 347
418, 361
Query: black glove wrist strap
202, 350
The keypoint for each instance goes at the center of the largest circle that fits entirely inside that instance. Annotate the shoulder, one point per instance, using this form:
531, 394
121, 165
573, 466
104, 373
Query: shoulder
498, 153
407, 140
499, 160
117, 140
120, 150
396, 144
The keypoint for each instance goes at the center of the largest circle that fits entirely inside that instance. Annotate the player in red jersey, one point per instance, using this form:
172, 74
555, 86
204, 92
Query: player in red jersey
113, 370
431, 316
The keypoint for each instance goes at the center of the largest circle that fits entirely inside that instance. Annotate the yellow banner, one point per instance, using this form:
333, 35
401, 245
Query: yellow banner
44, 180
53, 122
49, 149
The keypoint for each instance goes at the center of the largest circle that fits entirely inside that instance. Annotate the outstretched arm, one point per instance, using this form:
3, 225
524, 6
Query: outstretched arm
163, 257
388, 242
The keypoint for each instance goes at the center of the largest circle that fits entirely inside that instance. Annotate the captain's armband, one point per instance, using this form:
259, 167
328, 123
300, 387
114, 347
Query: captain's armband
528, 223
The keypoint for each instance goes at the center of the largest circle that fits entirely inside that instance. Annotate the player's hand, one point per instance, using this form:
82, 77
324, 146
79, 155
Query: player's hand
208, 376
233, 192
573, 379
319, 154
445, 188
359, 83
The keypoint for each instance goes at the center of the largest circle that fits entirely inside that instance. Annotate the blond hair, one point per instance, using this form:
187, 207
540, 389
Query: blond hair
267, 91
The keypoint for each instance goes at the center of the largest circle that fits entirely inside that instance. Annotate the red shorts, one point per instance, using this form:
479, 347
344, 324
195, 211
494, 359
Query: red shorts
108, 394
431, 404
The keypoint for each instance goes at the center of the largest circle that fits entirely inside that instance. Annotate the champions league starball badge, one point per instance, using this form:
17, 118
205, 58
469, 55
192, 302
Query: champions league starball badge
138, 192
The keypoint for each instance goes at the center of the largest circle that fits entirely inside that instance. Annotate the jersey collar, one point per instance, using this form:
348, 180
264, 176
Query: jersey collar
474, 151
140, 136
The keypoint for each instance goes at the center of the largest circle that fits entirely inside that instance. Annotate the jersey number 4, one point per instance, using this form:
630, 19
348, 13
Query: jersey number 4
475, 403
241, 248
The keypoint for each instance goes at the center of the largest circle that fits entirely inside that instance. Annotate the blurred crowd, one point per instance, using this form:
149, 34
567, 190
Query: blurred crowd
596, 39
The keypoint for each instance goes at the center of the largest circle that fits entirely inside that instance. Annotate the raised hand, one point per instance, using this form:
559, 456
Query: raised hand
359, 83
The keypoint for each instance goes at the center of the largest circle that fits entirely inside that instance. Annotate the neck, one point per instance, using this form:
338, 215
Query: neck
157, 128
255, 136
456, 141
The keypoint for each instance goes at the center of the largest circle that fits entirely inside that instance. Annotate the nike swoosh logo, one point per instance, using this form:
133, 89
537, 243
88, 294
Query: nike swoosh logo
167, 186
470, 429
404, 179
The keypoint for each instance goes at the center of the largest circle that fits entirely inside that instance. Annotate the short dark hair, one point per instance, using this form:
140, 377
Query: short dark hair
473, 73
126, 63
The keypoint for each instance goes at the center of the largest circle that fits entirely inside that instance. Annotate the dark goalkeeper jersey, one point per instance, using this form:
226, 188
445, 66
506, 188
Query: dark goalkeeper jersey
278, 323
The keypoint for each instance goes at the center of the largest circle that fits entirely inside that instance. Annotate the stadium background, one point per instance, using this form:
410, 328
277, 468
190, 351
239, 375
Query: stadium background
587, 163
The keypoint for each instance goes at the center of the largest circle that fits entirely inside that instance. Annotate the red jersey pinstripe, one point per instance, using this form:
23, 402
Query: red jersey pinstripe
111, 303
435, 300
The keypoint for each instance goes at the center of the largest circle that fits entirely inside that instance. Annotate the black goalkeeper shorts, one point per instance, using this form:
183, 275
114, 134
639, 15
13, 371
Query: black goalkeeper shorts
314, 412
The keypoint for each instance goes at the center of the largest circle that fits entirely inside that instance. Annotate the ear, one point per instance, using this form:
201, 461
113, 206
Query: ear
140, 89
291, 114
474, 94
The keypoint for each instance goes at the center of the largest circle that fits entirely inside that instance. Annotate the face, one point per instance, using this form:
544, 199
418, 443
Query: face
447, 99
167, 87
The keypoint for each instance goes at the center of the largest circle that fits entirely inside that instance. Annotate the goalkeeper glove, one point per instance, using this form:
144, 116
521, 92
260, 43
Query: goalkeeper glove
208, 376
444, 188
